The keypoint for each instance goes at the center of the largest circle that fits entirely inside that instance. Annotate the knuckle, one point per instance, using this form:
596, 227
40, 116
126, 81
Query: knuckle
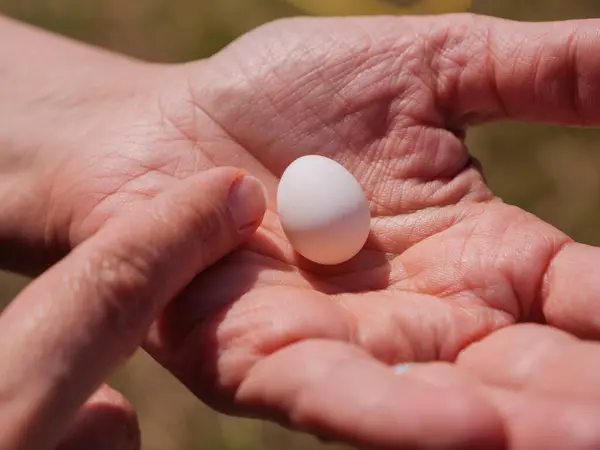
212, 231
118, 273
205, 227
204, 220
118, 279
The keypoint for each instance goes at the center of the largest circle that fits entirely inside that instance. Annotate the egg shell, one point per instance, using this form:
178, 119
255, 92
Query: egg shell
323, 210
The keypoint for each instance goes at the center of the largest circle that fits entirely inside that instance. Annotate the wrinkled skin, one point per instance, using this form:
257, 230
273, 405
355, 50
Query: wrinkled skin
448, 271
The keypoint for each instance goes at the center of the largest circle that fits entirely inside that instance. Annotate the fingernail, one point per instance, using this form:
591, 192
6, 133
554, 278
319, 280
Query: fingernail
401, 369
247, 202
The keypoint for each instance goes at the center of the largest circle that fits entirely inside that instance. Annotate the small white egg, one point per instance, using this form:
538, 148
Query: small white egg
323, 210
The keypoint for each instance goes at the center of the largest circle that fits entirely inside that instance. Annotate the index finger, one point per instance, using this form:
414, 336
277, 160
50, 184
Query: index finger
69, 329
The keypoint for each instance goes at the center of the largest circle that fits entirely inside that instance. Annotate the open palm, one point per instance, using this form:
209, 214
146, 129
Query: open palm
447, 263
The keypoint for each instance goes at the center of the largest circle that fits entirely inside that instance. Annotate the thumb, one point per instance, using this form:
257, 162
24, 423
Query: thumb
72, 326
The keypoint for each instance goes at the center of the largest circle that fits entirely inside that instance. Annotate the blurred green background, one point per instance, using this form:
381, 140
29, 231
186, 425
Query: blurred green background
550, 171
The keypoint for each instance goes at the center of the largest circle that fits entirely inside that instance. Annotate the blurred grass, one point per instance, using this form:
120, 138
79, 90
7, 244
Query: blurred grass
550, 171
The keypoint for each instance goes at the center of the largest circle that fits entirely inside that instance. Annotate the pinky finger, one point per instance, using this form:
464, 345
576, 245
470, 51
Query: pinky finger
107, 421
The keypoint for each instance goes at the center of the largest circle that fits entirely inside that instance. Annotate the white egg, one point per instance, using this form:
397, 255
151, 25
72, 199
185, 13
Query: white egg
323, 210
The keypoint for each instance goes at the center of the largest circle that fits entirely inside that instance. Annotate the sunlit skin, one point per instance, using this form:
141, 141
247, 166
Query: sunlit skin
449, 271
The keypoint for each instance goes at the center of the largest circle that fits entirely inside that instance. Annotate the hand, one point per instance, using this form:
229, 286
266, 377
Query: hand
448, 264
75, 323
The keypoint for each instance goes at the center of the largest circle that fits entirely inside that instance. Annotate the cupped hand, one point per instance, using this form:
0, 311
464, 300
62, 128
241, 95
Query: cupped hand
449, 269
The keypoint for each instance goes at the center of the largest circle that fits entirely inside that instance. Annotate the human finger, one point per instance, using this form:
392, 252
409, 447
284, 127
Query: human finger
67, 330
570, 290
536, 420
339, 392
491, 68
107, 421
536, 358
534, 417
